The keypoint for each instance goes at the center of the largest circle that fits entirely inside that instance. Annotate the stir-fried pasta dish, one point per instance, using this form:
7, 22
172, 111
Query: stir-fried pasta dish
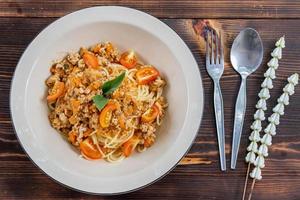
106, 104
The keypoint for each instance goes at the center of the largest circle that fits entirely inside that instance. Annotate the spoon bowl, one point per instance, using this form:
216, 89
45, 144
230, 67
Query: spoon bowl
246, 52
246, 56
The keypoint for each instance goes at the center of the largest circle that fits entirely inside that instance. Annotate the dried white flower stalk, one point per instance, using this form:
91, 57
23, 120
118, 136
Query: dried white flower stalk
270, 130
261, 105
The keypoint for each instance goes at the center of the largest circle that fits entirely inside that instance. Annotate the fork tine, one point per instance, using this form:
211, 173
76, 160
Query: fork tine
207, 48
221, 49
212, 48
217, 48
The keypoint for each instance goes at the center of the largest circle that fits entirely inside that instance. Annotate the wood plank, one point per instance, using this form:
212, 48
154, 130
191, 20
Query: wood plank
198, 175
163, 8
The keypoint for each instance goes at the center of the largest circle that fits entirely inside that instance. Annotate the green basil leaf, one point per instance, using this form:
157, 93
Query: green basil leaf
100, 101
110, 86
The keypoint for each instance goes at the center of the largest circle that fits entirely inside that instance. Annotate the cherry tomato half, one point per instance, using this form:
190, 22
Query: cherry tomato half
122, 122
148, 142
90, 60
89, 150
130, 145
72, 137
146, 75
106, 114
128, 59
58, 90
151, 114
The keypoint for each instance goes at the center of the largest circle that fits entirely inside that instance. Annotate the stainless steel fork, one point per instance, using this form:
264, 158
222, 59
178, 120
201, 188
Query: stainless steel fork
215, 68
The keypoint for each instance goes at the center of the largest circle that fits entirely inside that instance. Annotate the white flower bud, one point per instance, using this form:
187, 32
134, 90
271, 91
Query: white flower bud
259, 114
274, 118
279, 108
273, 64
263, 150
267, 83
267, 139
250, 157
264, 93
270, 73
293, 79
256, 173
270, 129
252, 147
261, 104
259, 161
280, 42
284, 98
254, 136
289, 88
277, 53
256, 125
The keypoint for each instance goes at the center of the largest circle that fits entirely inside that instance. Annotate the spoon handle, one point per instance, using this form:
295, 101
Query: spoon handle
219, 115
240, 108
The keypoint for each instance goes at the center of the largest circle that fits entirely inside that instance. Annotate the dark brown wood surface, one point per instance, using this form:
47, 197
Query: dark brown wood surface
198, 175
162, 8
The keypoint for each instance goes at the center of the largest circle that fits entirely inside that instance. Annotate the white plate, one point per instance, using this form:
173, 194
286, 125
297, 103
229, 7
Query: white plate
156, 44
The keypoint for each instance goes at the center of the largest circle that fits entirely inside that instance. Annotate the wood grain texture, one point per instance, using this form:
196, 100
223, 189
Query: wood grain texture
163, 8
198, 175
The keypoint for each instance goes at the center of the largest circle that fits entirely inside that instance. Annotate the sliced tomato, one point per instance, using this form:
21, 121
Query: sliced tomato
151, 114
148, 142
87, 133
57, 91
130, 145
75, 105
121, 120
72, 137
73, 119
89, 149
146, 75
106, 114
90, 60
128, 59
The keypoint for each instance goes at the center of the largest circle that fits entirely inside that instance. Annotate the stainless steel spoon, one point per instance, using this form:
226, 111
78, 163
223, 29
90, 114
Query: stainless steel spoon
246, 56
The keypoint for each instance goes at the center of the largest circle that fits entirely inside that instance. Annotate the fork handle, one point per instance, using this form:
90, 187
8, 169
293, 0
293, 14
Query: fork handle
219, 115
240, 108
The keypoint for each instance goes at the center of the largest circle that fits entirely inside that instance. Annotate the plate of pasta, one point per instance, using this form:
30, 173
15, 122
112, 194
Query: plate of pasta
106, 100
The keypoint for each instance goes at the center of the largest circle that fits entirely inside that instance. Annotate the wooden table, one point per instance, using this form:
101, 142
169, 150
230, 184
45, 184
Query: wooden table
198, 175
